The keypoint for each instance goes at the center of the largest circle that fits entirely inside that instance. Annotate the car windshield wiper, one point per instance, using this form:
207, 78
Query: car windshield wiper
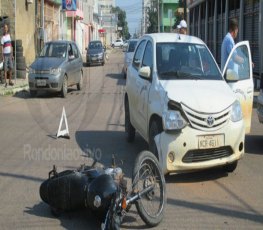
179, 75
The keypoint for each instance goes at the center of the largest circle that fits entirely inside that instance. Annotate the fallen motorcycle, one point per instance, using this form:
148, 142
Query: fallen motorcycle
105, 192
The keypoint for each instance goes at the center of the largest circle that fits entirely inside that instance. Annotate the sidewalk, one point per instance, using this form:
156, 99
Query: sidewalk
19, 85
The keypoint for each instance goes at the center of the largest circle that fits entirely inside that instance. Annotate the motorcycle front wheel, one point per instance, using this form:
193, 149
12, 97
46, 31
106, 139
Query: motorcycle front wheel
147, 172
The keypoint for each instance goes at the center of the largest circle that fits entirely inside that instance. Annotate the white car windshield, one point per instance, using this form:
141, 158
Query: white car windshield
185, 61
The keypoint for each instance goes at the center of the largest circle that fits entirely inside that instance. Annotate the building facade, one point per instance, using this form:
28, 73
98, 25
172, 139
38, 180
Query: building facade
20, 17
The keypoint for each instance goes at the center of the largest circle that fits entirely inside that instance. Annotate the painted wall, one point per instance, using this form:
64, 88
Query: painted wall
25, 28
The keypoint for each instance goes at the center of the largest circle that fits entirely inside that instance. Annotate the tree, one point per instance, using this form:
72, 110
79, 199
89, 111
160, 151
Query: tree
122, 23
152, 16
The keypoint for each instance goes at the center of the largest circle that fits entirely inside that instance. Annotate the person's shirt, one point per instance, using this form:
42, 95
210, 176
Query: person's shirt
6, 43
227, 46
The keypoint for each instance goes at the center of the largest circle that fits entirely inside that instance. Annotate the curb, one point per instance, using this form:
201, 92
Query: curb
14, 90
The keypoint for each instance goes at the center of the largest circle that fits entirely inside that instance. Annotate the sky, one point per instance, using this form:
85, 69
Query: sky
133, 9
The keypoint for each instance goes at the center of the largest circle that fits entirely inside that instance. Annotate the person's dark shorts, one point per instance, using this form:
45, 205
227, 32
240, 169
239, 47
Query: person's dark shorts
8, 62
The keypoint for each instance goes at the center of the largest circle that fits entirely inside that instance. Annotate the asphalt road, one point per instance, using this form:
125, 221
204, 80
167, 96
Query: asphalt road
205, 200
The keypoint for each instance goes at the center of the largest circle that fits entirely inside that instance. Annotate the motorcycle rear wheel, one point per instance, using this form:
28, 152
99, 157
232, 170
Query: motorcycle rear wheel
147, 172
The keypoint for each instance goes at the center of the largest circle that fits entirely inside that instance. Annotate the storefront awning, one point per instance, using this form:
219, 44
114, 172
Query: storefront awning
78, 14
102, 31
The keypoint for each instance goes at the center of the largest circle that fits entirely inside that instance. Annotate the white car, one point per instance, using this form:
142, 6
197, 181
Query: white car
193, 116
129, 51
117, 43
260, 106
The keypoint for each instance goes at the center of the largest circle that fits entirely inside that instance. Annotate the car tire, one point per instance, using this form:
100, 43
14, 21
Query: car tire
229, 168
155, 129
33, 93
129, 129
64, 87
80, 83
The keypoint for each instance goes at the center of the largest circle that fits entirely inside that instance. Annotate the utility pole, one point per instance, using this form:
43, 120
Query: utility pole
185, 16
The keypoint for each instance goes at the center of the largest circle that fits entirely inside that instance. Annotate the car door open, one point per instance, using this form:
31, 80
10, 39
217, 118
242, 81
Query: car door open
239, 76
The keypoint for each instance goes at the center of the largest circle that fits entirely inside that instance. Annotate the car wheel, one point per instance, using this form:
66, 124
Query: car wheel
80, 83
230, 167
129, 129
33, 93
64, 87
155, 129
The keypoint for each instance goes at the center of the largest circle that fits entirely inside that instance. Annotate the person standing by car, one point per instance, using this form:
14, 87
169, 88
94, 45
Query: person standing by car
229, 43
182, 27
7, 55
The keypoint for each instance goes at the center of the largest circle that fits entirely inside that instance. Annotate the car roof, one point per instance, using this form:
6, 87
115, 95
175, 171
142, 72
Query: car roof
61, 41
95, 41
173, 37
133, 40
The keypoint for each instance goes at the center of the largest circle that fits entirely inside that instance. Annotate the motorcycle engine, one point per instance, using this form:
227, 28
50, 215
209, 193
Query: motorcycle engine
101, 190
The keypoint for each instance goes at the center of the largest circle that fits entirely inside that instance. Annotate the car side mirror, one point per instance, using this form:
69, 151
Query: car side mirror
231, 75
71, 57
145, 72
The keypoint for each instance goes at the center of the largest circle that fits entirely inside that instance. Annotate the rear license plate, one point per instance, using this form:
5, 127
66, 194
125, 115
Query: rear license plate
211, 141
41, 82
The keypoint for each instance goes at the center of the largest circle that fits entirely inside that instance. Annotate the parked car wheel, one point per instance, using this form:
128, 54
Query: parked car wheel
129, 129
33, 93
155, 129
64, 87
80, 83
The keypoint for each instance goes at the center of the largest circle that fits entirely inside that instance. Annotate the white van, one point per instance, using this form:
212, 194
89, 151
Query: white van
193, 116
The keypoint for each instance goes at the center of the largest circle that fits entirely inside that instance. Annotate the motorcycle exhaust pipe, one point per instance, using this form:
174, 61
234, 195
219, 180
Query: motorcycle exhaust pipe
140, 194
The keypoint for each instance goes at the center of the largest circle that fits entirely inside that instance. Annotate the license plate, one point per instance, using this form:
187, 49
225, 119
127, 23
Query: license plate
41, 82
94, 59
211, 141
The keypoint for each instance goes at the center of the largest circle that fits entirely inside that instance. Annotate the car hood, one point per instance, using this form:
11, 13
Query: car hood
45, 63
95, 51
207, 96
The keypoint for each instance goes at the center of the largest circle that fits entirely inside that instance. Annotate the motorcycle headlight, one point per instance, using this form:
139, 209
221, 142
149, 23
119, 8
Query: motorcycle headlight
32, 71
55, 71
236, 113
173, 120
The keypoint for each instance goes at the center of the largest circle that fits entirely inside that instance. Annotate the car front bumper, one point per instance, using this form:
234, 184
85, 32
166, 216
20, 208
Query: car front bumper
188, 156
45, 82
94, 60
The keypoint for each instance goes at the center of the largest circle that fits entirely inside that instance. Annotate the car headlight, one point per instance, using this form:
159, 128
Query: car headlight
32, 71
100, 55
173, 120
236, 113
55, 71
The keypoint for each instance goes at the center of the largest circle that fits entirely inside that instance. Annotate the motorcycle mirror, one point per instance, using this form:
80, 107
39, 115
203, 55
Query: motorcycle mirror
113, 164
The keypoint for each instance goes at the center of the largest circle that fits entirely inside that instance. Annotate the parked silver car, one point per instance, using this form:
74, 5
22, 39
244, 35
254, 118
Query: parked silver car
129, 51
95, 53
58, 66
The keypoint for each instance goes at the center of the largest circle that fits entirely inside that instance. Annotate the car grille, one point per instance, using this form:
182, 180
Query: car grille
42, 71
200, 120
199, 155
